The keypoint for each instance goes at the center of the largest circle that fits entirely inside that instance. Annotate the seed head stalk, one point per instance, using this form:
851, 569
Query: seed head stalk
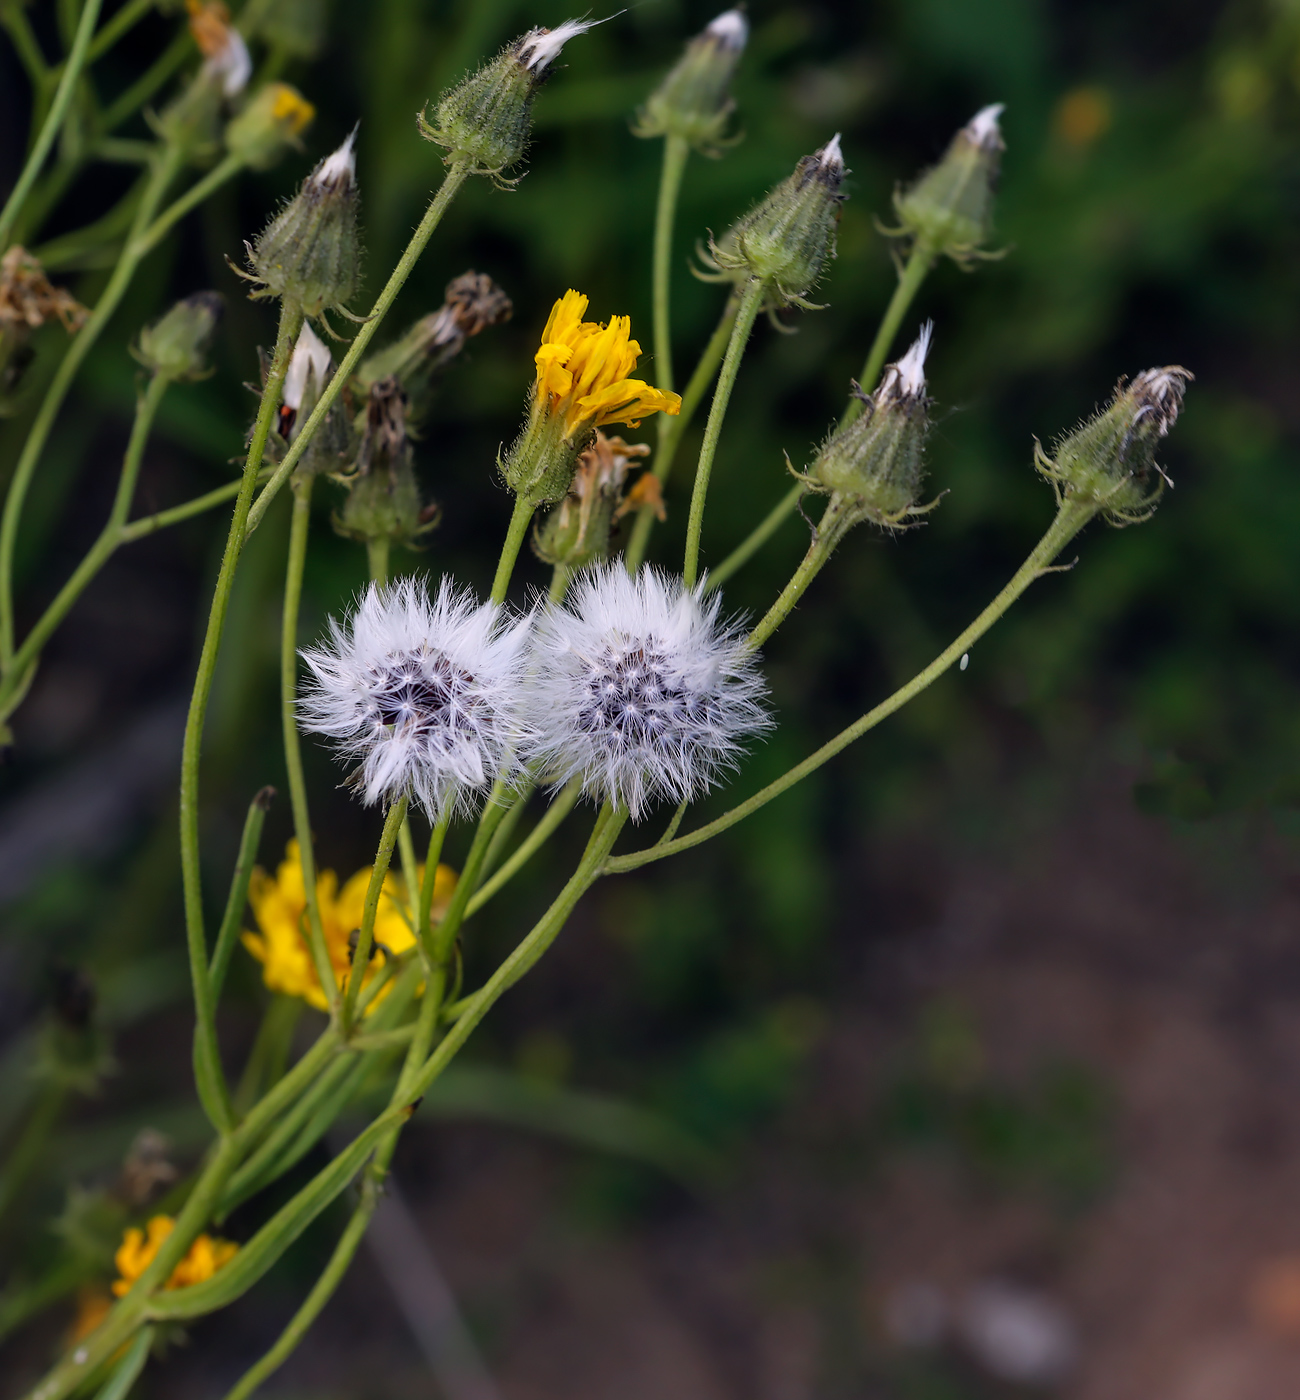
676, 152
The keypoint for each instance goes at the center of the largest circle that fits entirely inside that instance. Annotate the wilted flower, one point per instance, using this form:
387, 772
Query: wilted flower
694, 101
638, 688
138, 1248
576, 532
422, 694
27, 301
225, 54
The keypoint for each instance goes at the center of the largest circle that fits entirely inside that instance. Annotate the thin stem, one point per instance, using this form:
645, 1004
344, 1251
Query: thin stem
1070, 519
561, 577
520, 519
676, 152
28, 50
424, 915
225, 170
560, 808
53, 120
170, 61
299, 528
917, 267
121, 23
670, 430
377, 557
750, 302
828, 534
127, 1372
232, 920
757, 538
366, 935
151, 524
210, 1080
441, 201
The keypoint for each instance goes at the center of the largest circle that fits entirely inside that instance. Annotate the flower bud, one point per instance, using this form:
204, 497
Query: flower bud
694, 101
487, 118
310, 368
785, 240
577, 531
873, 468
295, 27
176, 347
310, 253
274, 119
1110, 461
383, 500
950, 208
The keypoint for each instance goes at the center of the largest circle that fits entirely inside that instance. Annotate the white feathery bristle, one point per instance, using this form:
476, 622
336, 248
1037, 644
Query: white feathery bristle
340, 167
421, 693
232, 64
730, 29
830, 156
541, 47
983, 128
911, 368
310, 355
1163, 389
639, 689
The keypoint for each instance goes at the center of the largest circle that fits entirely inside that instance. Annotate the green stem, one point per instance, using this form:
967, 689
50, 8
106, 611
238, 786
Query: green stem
441, 201
151, 524
520, 518
53, 120
225, 170
1070, 519
424, 915
366, 935
172, 59
670, 430
750, 302
915, 270
28, 50
207, 1065
757, 538
160, 177
127, 1372
377, 557
830, 530
676, 152
299, 528
266, 1060
560, 808
232, 920
122, 22
561, 577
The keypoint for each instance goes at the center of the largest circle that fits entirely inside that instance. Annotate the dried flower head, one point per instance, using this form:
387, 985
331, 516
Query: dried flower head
27, 297
421, 693
638, 688
225, 54
577, 531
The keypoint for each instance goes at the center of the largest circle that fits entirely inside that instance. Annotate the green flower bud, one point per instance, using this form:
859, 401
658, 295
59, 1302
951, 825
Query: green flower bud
950, 208
310, 253
296, 27
1110, 461
694, 101
487, 118
577, 531
785, 240
874, 467
176, 347
274, 119
383, 499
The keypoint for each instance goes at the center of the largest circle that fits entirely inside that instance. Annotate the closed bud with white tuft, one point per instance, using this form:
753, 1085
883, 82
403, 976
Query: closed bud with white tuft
950, 208
421, 693
638, 688
694, 101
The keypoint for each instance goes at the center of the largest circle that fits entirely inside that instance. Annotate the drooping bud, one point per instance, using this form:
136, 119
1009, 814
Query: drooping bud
310, 253
950, 208
874, 467
786, 239
383, 501
417, 358
176, 347
487, 118
275, 118
694, 101
1110, 461
577, 531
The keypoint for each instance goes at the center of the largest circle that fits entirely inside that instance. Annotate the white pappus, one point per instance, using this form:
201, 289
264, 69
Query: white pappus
422, 693
639, 688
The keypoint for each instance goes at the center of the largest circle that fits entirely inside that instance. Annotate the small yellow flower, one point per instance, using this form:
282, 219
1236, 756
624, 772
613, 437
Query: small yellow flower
280, 907
291, 109
583, 368
138, 1248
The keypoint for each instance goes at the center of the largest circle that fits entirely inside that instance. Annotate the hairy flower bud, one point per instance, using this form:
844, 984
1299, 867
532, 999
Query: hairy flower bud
1110, 461
176, 346
486, 119
873, 468
694, 101
275, 118
310, 253
950, 208
786, 239
577, 531
383, 501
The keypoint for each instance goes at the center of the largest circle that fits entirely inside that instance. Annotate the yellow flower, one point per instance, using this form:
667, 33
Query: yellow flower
583, 368
280, 907
138, 1248
291, 109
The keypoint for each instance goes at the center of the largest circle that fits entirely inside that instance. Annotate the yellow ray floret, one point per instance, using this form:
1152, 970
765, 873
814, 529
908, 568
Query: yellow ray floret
136, 1252
583, 369
280, 907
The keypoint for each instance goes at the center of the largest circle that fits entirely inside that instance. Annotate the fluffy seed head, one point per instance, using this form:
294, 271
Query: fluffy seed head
638, 687
422, 693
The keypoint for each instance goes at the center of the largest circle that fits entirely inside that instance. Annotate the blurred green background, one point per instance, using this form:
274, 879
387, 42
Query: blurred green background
1148, 212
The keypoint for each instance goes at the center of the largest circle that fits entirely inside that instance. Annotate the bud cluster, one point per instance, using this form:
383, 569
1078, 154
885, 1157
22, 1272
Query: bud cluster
694, 101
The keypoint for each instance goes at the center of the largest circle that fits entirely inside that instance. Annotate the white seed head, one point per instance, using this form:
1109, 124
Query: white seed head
539, 48
983, 129
638, 688
730, 29
906, 378
231, 63
338, 170
310, 356
422, 694
830, 157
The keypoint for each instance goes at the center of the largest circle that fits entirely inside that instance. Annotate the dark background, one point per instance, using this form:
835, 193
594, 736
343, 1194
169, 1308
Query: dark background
1009, 991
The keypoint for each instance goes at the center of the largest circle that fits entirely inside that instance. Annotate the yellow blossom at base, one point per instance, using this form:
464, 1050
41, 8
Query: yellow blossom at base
280, 908
138, 1248
583, 368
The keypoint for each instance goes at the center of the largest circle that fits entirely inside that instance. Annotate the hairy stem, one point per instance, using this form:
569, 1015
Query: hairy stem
520, 518
366, 935
676, 152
